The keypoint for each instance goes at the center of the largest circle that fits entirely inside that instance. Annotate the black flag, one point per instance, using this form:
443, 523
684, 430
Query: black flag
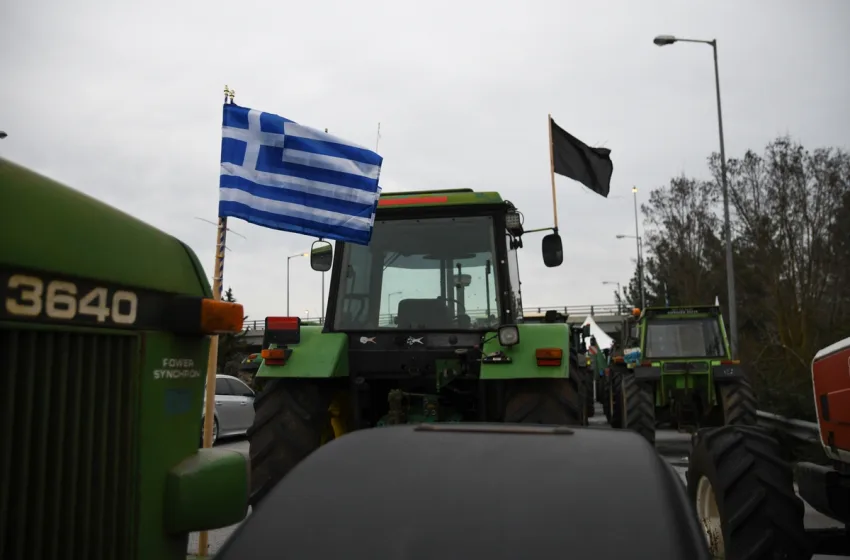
573, 158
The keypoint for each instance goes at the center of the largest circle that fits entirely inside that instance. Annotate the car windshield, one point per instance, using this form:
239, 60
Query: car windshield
684, 338
425, 274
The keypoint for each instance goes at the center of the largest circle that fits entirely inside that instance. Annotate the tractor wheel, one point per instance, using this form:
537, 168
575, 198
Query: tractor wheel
589, 404
739, 403
615, 398
744, 495
291, 421
638, 402
605, 397
546, 401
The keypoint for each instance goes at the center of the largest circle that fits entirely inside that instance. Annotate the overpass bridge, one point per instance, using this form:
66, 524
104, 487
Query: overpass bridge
608, 316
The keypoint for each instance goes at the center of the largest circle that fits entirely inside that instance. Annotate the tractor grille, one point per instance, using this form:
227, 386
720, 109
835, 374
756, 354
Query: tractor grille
67, 445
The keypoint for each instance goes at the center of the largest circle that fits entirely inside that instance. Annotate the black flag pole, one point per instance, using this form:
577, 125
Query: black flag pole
552, 171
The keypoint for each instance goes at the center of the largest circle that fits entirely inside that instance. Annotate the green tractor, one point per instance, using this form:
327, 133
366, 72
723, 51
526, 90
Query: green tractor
685, 374
105, 327
578, 349
423, 325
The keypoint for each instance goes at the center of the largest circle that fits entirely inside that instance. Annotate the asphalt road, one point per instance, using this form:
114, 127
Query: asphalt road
673, 446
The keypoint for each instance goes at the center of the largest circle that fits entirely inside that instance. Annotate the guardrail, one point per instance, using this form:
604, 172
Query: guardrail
801, 430
570, 310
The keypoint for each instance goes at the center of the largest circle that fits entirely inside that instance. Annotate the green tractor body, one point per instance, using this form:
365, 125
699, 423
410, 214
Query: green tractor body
685, 374
422, 325
104, 344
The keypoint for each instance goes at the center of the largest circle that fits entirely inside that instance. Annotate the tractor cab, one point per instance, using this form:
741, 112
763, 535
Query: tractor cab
444, 261
693, 335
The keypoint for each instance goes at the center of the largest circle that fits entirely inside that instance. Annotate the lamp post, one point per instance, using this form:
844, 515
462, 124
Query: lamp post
619, 292
661, 41
640, 266
289, 258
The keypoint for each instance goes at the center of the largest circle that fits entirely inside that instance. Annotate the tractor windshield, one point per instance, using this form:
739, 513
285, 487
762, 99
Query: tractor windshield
684, 338
424, 274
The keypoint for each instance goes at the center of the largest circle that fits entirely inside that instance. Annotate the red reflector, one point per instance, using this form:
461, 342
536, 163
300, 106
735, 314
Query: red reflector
548, 363
275, 362
729, 362
412, 200
548, 356
646, 364
282, 323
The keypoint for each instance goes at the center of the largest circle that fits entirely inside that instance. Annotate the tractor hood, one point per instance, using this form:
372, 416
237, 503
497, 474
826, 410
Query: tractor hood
98, 241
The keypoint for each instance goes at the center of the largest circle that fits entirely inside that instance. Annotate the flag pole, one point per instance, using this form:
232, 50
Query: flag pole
552, 172
209, 404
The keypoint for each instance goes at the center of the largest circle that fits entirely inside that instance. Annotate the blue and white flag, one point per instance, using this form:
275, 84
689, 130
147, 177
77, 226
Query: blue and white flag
282, 175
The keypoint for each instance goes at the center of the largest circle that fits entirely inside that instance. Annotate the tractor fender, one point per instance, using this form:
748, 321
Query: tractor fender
523, 364
317, 355
727, 372
496, 491
647, 373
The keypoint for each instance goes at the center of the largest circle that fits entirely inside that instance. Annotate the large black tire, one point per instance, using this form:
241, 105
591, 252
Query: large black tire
638, 402
291, 420
605, 397
739, 403
589, 404
615, 398
546, 401
760, 515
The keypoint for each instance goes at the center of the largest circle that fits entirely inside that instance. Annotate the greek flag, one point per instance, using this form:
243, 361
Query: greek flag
281, 175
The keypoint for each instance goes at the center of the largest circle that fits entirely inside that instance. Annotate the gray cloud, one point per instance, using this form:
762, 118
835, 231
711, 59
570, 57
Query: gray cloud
123, 103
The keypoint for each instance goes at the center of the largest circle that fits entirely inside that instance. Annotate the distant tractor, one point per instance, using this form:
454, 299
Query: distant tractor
625, 342
578, 349
685, 375
422, 326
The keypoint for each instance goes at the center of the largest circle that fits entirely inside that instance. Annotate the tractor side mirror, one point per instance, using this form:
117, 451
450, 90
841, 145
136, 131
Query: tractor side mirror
585, 331
321, 256
553, 250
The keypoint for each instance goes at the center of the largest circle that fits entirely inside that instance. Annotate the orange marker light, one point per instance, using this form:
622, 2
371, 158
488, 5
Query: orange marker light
412, 200
274, 354
548, 356
282, 323
221, 317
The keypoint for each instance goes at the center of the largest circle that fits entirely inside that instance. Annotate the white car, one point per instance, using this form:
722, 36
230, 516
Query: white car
234, 408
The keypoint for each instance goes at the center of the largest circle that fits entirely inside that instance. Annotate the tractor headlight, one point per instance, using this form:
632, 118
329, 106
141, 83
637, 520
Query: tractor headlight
508, 335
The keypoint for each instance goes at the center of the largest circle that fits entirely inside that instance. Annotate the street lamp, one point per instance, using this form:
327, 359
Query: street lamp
289, 258
663, 40
619, 292
3, 135
639, 264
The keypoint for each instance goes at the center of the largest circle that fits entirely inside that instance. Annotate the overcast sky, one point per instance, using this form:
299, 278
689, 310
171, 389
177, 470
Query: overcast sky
124, 103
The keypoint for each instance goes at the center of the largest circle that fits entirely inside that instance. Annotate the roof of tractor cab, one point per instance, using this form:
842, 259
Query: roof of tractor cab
682, 310
61, 230
495, 491
450, 197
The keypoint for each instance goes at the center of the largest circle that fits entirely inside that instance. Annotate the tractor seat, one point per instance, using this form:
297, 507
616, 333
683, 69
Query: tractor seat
423, 314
